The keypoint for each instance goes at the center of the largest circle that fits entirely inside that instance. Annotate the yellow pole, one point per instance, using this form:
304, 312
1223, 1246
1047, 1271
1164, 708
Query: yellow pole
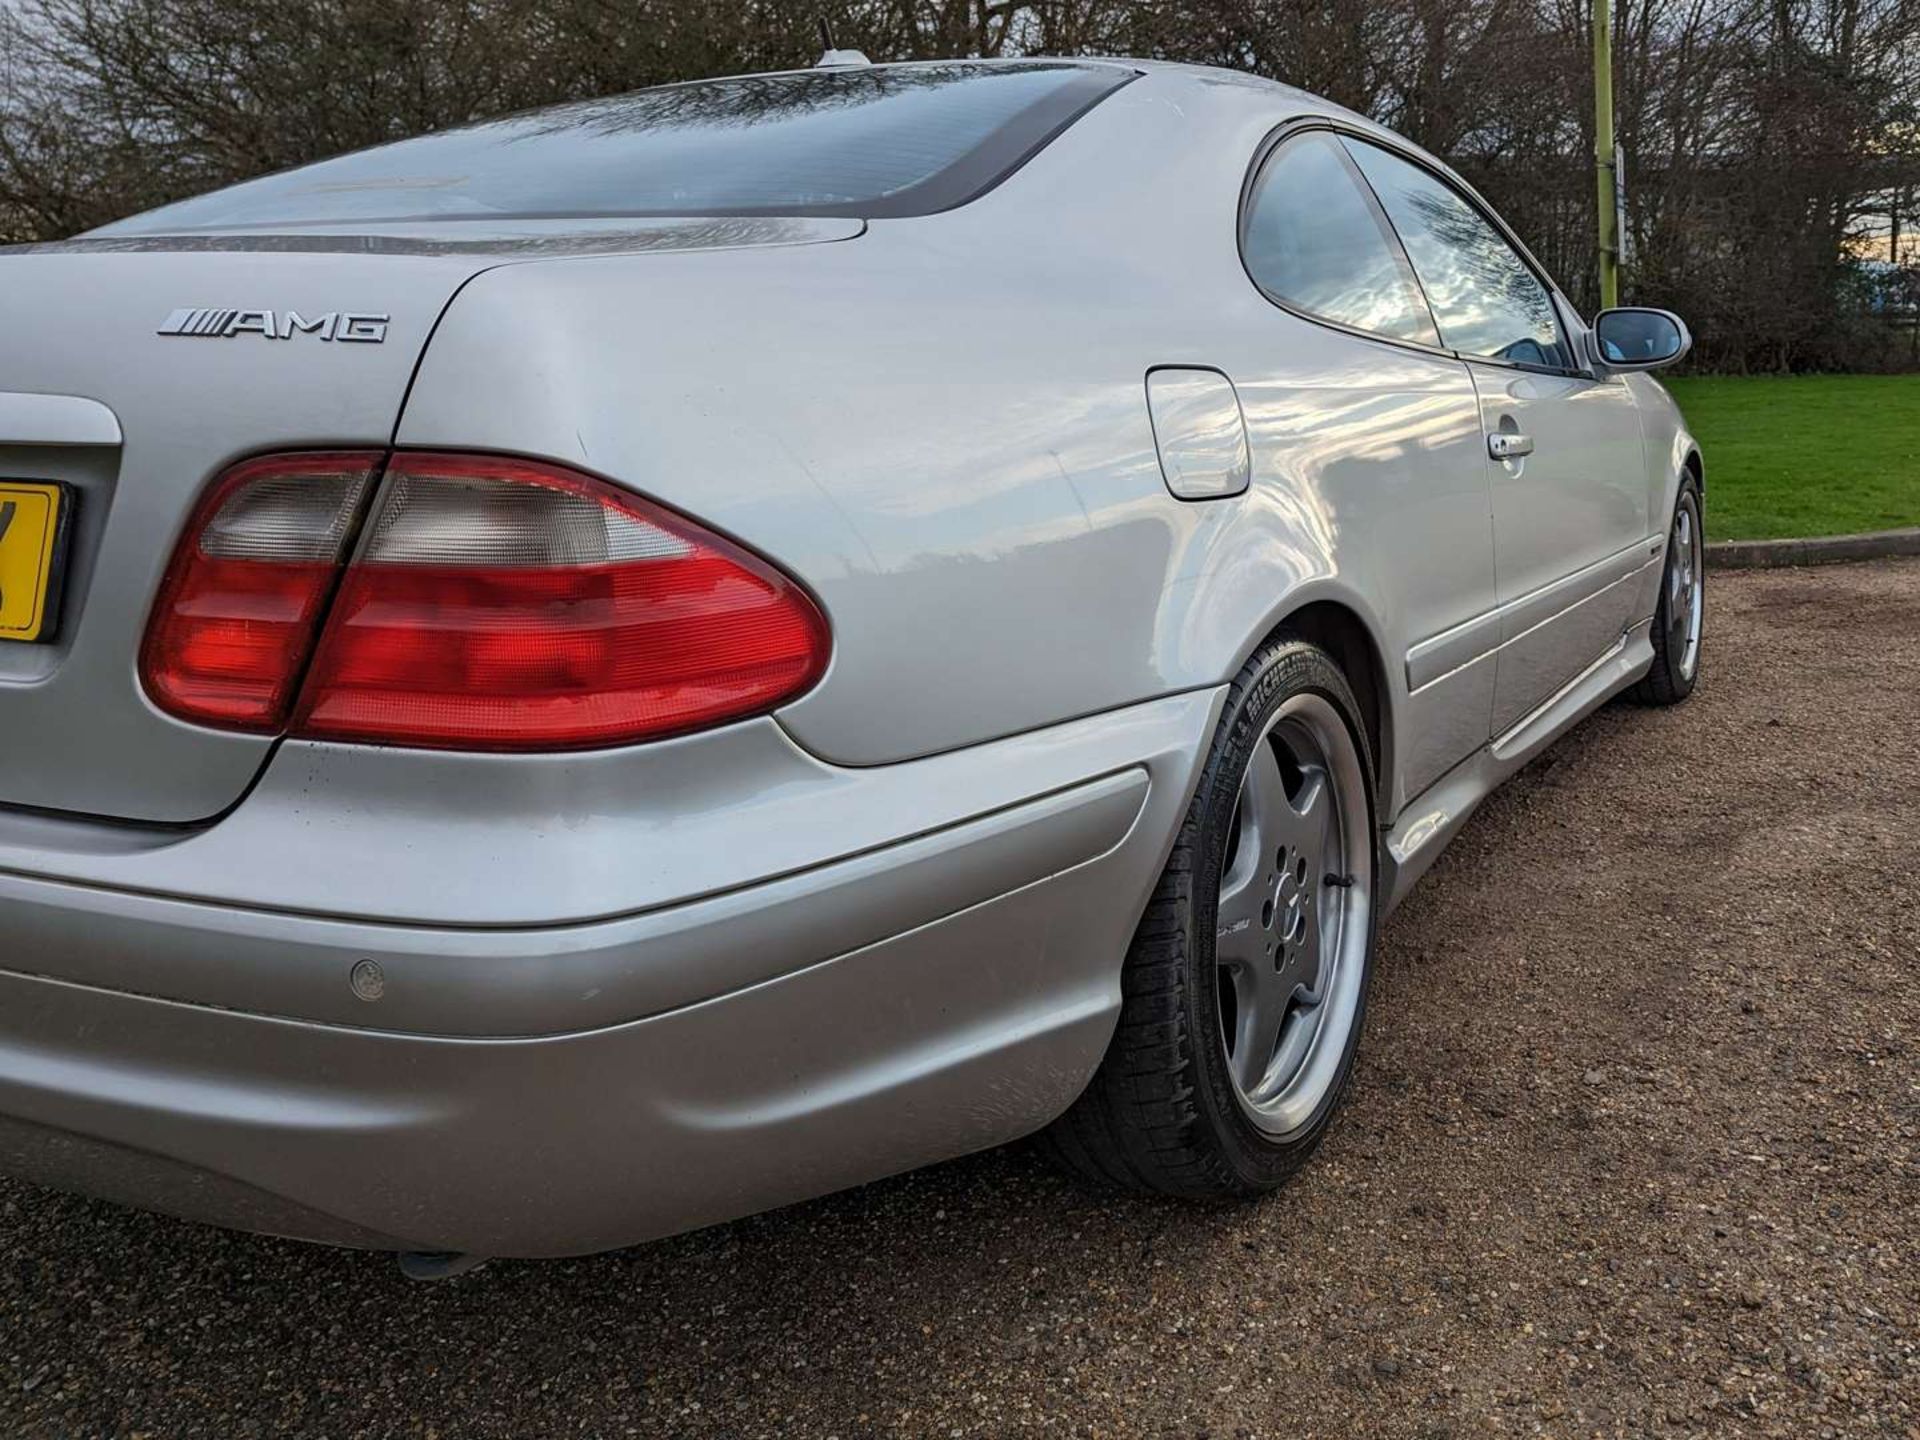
1603, 153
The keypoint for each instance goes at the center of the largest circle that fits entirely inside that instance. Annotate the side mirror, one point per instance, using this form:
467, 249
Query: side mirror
1631, 338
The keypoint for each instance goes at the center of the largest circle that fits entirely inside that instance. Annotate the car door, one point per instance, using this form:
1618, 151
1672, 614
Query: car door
1563, 457
1377, 427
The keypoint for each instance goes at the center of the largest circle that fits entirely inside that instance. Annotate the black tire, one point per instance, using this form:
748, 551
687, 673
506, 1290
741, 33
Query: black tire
1675, 672
1161, 1115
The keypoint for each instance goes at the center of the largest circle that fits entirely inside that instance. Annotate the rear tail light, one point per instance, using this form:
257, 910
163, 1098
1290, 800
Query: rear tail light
248, 586
503, 604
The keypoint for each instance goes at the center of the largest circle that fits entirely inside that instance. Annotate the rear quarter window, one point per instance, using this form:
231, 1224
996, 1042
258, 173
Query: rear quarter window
1314, 239
871, 142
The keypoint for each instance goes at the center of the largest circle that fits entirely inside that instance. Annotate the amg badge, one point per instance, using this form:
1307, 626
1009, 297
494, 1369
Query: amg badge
277, 325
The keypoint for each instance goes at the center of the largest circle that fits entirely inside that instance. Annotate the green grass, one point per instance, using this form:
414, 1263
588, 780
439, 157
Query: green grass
1806, 454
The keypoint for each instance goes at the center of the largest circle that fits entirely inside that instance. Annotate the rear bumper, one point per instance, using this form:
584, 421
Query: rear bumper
550, 1090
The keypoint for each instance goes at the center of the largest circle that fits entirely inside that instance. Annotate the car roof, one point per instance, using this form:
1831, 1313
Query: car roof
1164, 72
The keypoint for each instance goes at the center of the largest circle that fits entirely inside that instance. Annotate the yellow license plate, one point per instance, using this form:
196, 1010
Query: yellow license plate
32, 519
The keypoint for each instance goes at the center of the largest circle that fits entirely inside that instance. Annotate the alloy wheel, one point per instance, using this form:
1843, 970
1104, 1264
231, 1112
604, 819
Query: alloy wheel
1685, 588
1294, 915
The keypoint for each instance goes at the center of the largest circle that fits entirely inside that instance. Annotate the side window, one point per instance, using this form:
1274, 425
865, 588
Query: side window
1484, 297
1314, 239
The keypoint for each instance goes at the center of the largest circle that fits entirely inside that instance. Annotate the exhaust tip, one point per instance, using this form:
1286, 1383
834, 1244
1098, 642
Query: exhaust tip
437, 1264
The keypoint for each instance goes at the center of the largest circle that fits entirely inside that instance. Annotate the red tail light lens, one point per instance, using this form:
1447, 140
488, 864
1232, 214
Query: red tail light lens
505, 604
245, 593
493, 604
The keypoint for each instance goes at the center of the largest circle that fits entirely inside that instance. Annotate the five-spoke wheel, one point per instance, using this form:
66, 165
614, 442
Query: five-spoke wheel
1679, 618
1685, 592
1291, 912
1246, 985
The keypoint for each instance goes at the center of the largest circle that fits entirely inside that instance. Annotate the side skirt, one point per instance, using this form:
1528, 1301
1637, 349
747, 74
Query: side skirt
1430, 820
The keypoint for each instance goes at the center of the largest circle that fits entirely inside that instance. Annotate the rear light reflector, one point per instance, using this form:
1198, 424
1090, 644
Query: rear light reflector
242, 600
506, 604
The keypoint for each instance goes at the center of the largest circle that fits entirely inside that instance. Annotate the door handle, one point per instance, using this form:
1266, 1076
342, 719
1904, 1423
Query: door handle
1506, 445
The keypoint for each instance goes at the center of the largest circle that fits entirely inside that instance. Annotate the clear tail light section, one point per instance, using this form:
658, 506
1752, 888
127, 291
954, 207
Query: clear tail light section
243, 599
503, 604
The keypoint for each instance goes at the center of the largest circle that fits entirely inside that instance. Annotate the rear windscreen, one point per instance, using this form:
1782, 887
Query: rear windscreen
882, 141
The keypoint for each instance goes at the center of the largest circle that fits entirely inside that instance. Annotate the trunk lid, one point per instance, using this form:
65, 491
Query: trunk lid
133, 371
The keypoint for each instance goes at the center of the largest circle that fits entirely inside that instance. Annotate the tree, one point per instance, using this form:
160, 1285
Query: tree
1759, 134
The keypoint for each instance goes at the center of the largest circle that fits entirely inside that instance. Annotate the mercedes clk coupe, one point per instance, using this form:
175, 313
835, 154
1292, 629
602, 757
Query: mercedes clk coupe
599, 672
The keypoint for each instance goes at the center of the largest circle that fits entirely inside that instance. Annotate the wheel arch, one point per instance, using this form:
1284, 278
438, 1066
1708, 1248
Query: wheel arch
1342, 633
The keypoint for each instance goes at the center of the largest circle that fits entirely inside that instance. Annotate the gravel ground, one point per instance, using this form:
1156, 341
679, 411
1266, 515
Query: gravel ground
1634, 1149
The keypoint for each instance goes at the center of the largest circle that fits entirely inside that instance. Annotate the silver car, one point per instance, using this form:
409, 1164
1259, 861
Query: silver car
580, 677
